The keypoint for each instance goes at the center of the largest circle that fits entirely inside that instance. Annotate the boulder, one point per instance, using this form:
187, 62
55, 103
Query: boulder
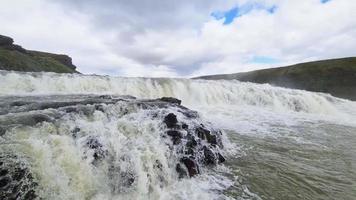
209, 156
170, 120
221, 158
175, 135
191, 165
182, 173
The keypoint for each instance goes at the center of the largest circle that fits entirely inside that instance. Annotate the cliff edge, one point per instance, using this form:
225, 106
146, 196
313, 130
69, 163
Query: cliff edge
16, 58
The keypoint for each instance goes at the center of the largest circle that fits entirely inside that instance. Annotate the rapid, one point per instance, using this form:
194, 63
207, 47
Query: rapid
278, 143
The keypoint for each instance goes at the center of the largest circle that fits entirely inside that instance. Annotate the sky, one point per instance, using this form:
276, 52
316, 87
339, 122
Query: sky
182, 38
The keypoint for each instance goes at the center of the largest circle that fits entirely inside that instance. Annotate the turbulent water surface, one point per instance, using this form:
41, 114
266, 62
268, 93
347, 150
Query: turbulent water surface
278, 143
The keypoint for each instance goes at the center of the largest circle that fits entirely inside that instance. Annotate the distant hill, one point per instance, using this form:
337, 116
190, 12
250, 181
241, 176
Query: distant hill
14, 57
334, 76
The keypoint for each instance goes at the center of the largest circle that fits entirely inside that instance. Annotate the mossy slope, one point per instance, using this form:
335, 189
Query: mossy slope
334, 76
14, 57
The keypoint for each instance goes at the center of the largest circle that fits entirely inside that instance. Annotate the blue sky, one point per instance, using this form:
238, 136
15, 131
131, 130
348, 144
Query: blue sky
240, 10
183, 38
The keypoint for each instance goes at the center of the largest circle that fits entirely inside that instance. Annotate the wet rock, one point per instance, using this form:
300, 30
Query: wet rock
2, 131
221, 158
209, 156
4, 182
185, 126
182, 173
99, 152
3, 172
176, 136
201, 132
188, 113
174, 133
105, 97
191, 165
99, 107
16, 181
170, 100
191, 142
170, 120
211, 139
127, 179
190, 145
158, 165
75, 132
205, 134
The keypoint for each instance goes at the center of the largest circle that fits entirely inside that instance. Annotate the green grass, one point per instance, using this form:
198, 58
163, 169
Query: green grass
17, 61
335, 76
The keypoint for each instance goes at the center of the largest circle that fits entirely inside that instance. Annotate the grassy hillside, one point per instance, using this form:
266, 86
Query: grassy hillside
14, 57
335, 76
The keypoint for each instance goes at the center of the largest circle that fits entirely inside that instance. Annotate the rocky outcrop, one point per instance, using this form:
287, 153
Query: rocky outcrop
193, 143
200, 145
16, 179
14, 57
4, 40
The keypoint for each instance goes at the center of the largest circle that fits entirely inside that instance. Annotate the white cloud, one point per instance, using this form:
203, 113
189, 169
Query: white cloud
145, 38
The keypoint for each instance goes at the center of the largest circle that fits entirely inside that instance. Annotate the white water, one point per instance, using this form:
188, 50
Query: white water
191, 92
243, 107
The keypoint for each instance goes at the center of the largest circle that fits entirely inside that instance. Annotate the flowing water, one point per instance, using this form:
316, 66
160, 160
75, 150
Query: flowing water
278, 143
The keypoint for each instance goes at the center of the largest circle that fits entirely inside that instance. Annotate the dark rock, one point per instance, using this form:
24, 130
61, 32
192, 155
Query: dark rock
201, 132
209, 156
189, 113
70, 109
185, 126
4, 40
170, 120
99, 152
15, 47
191, 165
105, 97
191, 142
30, 195
99, 108
4, 172
205, 134
16, 181
19, 173
221, 158
211, 138
128, 179
171, 100
158, 165
174, 133
182, 173
176, 136
4, 182
189, 151
2, 131
75, 131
